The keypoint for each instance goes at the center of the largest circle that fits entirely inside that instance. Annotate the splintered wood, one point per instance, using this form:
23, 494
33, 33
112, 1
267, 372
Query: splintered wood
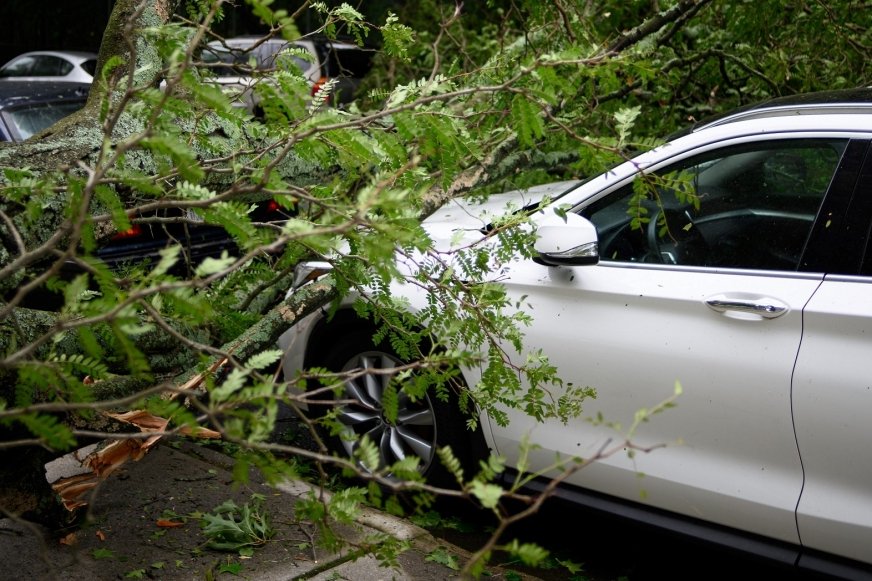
109, 455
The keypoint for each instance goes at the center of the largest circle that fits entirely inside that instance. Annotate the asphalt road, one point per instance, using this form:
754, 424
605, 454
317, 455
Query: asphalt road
610, 550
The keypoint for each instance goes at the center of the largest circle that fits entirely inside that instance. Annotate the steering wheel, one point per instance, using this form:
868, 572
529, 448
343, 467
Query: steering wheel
682, 243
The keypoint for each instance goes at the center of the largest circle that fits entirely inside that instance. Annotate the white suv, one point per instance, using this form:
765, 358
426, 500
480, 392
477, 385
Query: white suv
751, 285
240, 62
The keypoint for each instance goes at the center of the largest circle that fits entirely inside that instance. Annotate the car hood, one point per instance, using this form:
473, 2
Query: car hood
462, 219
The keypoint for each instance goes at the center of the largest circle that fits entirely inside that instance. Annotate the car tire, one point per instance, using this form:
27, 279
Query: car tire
422, 426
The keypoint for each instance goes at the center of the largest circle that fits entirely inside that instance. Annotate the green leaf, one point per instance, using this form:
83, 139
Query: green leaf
169, 256
625, 119
231, 527
50, 430
571, 566
109, 198
529, 553
263, 359
183, 158
444, 557
102, 554
232, 568
390, 402
189, 191
211, 265
487, 494
397, 37
231, 385
527, 121
368, 454
82, 364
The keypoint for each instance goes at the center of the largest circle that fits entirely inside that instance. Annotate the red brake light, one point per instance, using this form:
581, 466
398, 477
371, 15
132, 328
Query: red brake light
134, 231
318, 84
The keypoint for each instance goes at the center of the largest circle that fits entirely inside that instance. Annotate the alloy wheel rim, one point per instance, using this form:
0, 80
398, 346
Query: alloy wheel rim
413, 433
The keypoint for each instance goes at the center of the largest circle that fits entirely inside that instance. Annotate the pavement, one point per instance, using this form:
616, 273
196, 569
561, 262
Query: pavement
144, 522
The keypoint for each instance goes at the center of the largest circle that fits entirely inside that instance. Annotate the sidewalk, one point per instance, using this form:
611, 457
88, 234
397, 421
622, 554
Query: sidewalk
122, 539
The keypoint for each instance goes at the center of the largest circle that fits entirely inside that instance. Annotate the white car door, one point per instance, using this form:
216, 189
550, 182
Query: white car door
710, 298
832, 404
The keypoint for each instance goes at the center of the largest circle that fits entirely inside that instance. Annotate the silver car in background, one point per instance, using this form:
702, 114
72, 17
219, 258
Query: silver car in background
51, 65
239, 63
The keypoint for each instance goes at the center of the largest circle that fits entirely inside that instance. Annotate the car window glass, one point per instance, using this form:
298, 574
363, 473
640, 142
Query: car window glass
276, 56
744, 207
241, 61
223, 62
349, 62
18, 68
90, 66
50, 66
27, 121
266, 55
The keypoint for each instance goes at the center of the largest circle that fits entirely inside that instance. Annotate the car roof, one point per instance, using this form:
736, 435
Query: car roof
73, 54
833, 113
247, 39
851, 101
14, 91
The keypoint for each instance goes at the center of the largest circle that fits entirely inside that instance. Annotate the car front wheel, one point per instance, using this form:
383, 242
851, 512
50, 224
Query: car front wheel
421, 425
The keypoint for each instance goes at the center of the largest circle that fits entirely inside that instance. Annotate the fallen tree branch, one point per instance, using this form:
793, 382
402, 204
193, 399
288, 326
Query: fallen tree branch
110, 455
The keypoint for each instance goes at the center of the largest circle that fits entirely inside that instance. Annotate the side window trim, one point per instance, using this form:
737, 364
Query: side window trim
837, 240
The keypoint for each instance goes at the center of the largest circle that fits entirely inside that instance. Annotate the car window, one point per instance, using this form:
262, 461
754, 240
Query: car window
228, 62
50, 66
276, 56
349, 62
240, 62
26, 121
18, 68
744, 207
90, 66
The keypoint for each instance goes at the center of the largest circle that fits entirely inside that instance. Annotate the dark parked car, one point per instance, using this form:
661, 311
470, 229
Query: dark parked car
28, 107
144, 241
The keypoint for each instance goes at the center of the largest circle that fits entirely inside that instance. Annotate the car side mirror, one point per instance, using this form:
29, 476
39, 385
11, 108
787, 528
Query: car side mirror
569, 240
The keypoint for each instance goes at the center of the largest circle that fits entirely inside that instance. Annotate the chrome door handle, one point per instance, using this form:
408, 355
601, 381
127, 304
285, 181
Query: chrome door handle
765, 307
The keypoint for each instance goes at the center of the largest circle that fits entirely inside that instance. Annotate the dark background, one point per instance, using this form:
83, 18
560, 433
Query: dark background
78, 24
51, 25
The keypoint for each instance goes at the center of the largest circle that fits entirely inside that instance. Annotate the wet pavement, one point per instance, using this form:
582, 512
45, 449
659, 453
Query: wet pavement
144, 522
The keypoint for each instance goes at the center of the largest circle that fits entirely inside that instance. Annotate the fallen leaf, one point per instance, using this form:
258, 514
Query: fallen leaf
169, 524
69, 540
101, 535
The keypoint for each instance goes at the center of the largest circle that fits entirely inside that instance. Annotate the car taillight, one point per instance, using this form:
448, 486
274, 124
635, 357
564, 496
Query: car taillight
133, 232
317, 85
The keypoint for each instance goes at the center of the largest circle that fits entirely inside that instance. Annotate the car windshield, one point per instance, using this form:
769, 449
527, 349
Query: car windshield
241, 62
225, 63
352, 62
28, 120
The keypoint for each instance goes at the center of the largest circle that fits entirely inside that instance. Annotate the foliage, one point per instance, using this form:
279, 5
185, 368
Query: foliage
231, 528
443, 557
463, 99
